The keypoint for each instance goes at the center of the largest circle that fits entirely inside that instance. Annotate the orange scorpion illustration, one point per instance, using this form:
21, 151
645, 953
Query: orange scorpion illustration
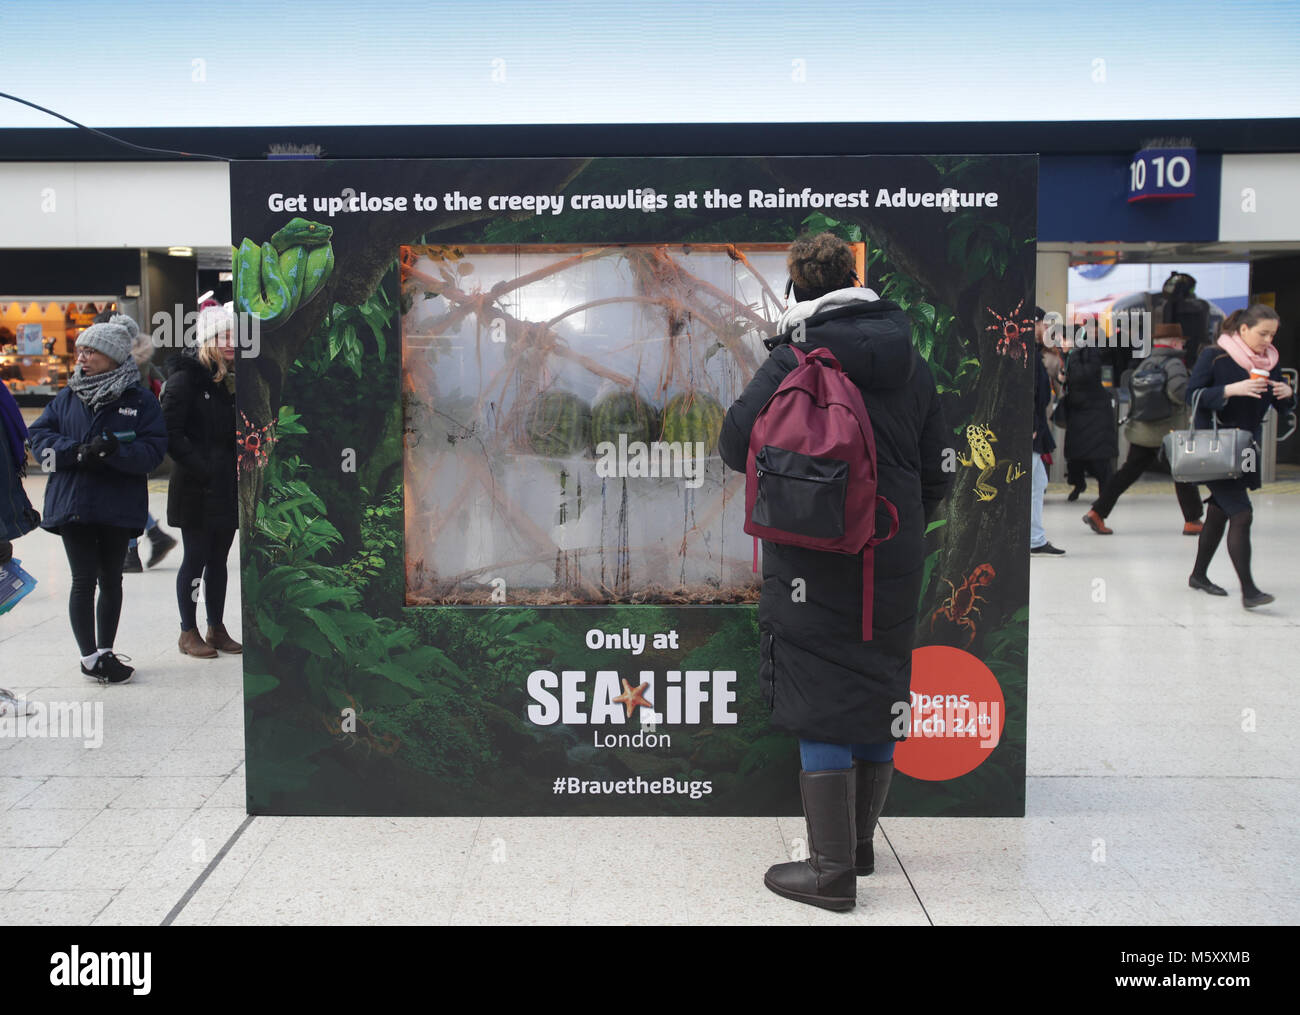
960, 604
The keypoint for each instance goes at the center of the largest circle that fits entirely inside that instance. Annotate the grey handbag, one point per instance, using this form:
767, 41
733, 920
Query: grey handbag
1200, 456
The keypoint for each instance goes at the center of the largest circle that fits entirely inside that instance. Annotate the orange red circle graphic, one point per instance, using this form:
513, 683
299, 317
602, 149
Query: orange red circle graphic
957, 715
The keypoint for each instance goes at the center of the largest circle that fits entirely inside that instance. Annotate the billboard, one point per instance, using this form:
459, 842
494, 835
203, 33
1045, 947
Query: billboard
492, 562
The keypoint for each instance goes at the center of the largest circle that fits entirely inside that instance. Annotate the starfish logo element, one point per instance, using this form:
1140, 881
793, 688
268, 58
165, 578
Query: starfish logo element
632, 697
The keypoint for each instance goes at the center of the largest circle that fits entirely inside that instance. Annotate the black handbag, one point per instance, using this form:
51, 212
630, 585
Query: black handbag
1202, 456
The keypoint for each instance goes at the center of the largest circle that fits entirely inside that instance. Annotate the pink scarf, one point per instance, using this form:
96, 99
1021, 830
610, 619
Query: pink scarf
1244, 358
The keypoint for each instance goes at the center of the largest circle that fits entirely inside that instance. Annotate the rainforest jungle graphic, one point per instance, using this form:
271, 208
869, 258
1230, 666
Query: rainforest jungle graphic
460, 582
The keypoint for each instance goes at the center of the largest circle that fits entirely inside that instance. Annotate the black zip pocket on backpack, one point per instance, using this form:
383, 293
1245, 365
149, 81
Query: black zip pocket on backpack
800, 494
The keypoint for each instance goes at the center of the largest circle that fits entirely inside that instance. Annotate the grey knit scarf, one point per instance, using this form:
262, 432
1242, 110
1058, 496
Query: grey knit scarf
98, 391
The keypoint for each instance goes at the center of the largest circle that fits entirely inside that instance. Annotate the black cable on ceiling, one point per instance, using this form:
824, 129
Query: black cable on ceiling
110, 137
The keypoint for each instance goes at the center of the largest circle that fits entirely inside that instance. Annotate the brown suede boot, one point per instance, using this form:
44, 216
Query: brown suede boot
192, 645
826, 879
219, 638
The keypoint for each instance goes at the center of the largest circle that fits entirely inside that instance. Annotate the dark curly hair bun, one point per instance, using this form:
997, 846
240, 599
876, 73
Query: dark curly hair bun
820, 264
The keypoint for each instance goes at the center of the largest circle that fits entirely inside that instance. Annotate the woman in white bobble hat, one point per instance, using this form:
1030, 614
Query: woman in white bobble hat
198, 405
98, 441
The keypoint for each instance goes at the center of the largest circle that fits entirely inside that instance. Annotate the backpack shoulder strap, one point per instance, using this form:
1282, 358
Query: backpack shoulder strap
821, 354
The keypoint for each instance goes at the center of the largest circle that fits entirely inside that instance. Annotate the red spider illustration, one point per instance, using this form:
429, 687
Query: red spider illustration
254, 443
959, 606
1015, 330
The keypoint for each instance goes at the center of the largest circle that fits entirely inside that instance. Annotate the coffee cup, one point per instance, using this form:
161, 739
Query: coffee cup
1258, 373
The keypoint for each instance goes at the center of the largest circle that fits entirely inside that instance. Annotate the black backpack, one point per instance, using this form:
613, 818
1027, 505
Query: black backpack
1147, 401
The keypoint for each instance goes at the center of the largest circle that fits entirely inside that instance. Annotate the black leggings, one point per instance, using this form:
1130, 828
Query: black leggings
96, 554
1238, 526
205, 557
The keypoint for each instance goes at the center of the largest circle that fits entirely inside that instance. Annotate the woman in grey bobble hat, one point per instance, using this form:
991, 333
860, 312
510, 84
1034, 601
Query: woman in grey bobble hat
98, 441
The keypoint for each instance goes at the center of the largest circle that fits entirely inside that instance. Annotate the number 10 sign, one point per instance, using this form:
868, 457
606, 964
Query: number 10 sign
1162, 173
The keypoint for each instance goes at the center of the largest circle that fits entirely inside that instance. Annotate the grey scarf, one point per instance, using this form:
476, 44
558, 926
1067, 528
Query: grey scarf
838, 298
102, 389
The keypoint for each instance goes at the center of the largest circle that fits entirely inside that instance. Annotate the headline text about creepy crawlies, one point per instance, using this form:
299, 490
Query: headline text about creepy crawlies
643, 199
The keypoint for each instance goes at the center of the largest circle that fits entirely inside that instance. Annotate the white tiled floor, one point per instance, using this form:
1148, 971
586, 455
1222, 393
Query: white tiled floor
1162, 766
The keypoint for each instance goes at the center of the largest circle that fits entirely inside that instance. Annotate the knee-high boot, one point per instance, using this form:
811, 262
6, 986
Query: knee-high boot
873, 779
826, 878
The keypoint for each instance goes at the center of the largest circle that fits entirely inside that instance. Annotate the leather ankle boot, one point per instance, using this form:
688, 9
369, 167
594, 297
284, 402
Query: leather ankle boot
872, 786
826, 878
219, 638
1097, 523
160, 543
191, 644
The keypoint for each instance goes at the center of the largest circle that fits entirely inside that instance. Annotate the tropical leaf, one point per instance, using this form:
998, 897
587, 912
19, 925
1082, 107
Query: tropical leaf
398, 674
277, 530
304, 634
278, 578
400, 638
926, 345
274, 632
288, 505
259, 683
927, 569
502, 622
427, 655
354, 625
286, 423
325, 624
314, 593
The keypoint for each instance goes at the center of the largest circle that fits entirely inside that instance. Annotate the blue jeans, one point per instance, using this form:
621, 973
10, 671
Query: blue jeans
1037, 536
814, 756
153, 522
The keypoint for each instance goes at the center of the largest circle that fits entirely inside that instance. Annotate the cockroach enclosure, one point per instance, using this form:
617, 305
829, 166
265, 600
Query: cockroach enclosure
562, 408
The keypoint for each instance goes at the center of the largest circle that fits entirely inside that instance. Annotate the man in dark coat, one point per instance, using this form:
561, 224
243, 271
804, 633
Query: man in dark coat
1091, 437
838, 693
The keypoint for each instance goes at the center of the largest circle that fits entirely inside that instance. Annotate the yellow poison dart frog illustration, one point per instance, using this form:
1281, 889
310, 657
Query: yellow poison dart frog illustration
981, 439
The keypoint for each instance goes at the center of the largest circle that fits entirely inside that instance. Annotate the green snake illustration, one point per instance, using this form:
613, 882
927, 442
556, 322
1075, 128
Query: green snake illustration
275, 279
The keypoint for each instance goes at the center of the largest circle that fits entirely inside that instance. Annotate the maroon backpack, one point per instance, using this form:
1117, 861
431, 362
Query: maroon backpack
810, 480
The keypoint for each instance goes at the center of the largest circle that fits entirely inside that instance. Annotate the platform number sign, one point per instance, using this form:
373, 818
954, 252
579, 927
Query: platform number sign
1162, 173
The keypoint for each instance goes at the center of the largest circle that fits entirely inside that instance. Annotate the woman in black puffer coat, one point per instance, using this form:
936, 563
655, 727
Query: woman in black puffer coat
1091, 436
99, 440
826, 685
198, 403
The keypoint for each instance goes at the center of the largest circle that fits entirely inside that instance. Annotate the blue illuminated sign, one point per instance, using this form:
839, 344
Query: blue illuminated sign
1162, 173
